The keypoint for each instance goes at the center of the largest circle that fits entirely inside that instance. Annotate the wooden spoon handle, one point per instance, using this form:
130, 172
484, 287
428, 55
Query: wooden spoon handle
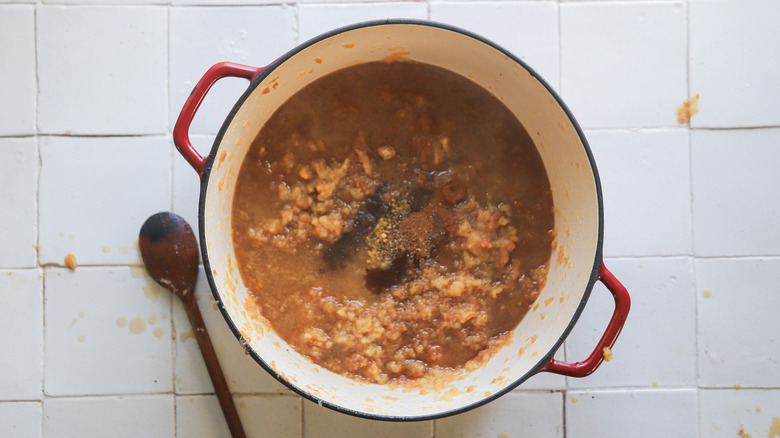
213, 367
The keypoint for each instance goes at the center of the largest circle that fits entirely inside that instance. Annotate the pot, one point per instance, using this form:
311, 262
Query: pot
575, 265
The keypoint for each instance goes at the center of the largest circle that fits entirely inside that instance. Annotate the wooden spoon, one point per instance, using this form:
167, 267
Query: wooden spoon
170, 254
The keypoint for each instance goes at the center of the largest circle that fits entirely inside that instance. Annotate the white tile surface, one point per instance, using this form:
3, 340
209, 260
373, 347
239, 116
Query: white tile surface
19, 182
106, 2
682, 203
202, 37
724, 412
266, 416
605, 80
529, 30
20, 419
200, 416
735, 207
261, 416
362, 1
242, 373
314, 20
107, 331
533, 414
17, 75
102, 70
732, 69
645, 180
321, 422
739, 332
223, 2
628, 413
21, 325
119, 417
95, 193
650, 351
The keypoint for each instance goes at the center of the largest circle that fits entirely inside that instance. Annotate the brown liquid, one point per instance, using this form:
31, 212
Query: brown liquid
392, 219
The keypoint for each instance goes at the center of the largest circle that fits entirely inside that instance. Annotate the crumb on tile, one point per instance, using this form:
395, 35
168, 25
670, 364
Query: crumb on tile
70, 262
607, 354
706, 293
688, 109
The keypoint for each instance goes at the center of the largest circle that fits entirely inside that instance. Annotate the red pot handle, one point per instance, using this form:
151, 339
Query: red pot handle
181, 134
589, 365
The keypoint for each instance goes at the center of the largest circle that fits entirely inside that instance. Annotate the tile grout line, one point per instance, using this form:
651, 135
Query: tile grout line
38, 165
301, 417
565, 393
168, 104
168, 9
566, 388
38, 168
296, 8
692, 266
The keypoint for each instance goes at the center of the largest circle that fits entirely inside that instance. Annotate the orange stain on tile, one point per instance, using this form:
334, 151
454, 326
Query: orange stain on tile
688, 109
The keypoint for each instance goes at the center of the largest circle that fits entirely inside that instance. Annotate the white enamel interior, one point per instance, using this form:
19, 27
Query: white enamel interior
567, 164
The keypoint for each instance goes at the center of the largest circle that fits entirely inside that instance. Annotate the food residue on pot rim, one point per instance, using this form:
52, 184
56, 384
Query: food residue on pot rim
607, 353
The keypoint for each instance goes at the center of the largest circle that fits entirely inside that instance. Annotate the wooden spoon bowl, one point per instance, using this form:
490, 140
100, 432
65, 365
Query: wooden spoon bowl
170, 253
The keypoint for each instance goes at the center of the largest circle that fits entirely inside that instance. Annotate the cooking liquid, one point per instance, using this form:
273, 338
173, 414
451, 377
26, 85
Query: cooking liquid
338, 180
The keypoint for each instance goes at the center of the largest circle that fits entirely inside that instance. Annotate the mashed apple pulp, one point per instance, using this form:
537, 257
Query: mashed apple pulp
393, 221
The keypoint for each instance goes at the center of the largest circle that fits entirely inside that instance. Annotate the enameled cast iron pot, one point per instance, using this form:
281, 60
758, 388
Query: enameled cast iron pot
575, 265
